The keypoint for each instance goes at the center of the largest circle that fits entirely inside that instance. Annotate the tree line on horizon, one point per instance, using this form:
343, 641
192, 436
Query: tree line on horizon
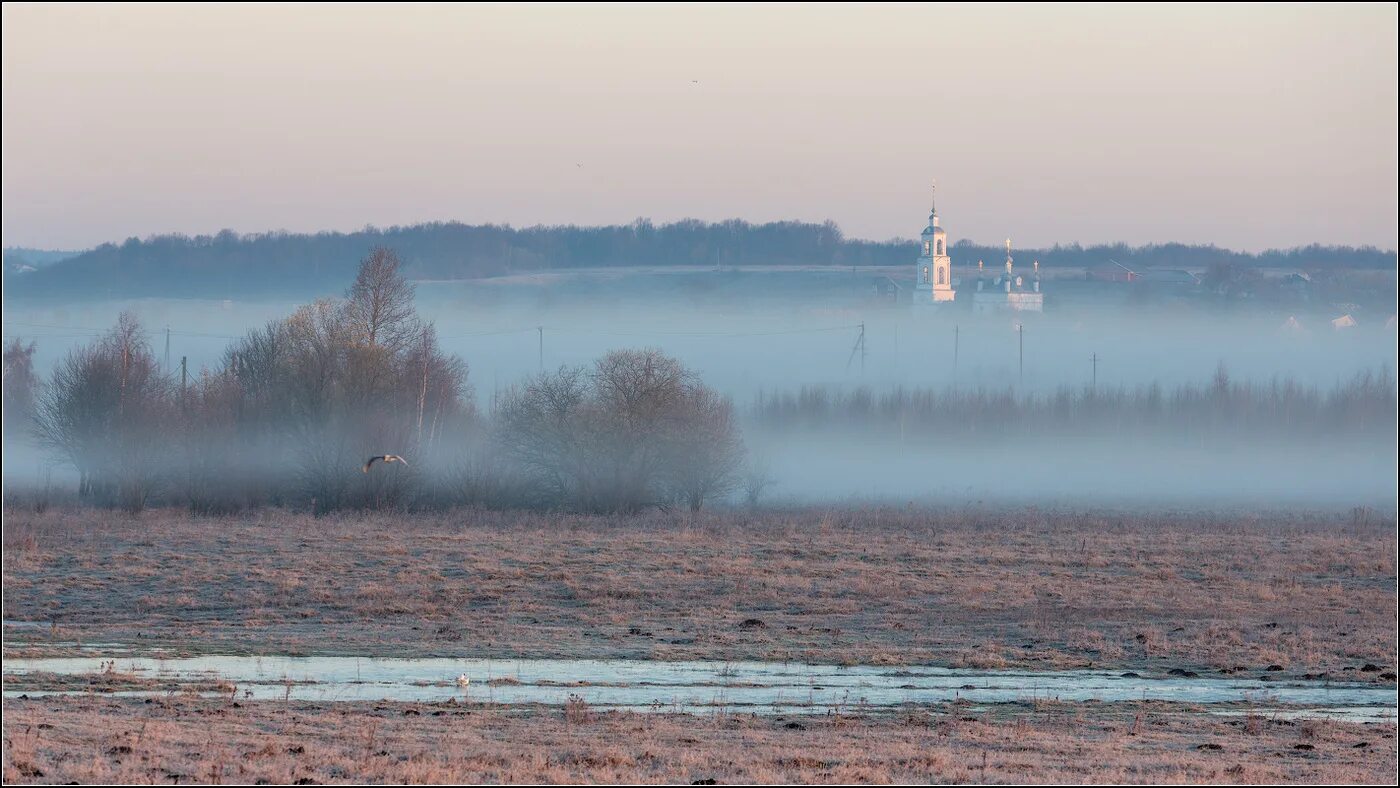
231, 264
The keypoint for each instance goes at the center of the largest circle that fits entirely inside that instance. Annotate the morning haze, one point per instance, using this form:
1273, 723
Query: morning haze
1246, 127
619, 405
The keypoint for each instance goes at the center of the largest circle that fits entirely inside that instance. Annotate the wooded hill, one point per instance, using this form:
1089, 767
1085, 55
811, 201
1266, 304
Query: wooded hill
230, 265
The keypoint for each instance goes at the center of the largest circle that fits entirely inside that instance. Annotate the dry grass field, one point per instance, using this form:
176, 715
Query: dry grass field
977, 588
180, 739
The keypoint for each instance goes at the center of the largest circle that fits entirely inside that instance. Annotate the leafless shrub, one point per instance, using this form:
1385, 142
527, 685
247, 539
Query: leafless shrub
705, 454
576, 711
636, 430
36, 498
757, 479
106, 409
1253, 723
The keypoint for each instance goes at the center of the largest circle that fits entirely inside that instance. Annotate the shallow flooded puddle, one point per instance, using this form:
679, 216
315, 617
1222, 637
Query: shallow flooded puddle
684, 686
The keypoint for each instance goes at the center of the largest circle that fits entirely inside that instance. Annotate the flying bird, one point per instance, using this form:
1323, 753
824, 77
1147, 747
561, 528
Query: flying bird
385, 458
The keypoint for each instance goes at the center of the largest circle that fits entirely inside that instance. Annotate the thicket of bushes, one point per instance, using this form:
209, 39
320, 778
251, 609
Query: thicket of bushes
296, 407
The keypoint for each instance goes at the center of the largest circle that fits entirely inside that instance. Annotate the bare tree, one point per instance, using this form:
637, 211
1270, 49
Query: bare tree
340, 380
379, 305
705, 451
288, 417
636, 430
540, 425
639, 401
259, 366
757, 479
19, 386
440, 380
316, 358
106, 410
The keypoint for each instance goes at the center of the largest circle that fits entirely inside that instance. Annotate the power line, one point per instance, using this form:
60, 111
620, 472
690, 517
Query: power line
54, 325
202, 334
491, 333
725, 333
100, 331
48, 336
698, 334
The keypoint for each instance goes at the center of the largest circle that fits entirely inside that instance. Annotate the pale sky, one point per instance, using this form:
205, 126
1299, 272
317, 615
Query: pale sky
1248, 126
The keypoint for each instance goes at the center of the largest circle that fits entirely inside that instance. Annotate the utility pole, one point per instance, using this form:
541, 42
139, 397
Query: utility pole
896, 345
541, 330
1094, 359
955, 354
1021, 352
182, 380
166, 365
423, 391
858, 346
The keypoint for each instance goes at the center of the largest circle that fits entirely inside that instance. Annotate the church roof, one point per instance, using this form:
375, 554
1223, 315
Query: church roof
997, 283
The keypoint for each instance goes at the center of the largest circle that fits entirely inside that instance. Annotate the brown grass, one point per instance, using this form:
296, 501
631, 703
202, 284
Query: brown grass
179, 739
878, 585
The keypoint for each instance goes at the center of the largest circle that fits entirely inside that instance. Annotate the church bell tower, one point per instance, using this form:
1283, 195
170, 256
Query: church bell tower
934, 270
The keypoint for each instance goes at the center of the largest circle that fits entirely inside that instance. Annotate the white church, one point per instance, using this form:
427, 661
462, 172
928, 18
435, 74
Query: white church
934, 283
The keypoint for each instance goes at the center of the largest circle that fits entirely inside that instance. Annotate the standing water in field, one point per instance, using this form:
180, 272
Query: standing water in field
670, 686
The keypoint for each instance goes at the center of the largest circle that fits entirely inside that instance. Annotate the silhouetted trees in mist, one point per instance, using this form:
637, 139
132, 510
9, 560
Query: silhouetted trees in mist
1222, 408
297, 406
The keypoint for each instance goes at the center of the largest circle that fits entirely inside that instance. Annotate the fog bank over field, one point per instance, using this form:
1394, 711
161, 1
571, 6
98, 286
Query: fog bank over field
774, 329
1151, 471
1310, 435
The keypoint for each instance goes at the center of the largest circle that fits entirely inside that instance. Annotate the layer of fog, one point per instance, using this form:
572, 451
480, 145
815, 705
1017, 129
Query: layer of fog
749, 335
1039, 471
